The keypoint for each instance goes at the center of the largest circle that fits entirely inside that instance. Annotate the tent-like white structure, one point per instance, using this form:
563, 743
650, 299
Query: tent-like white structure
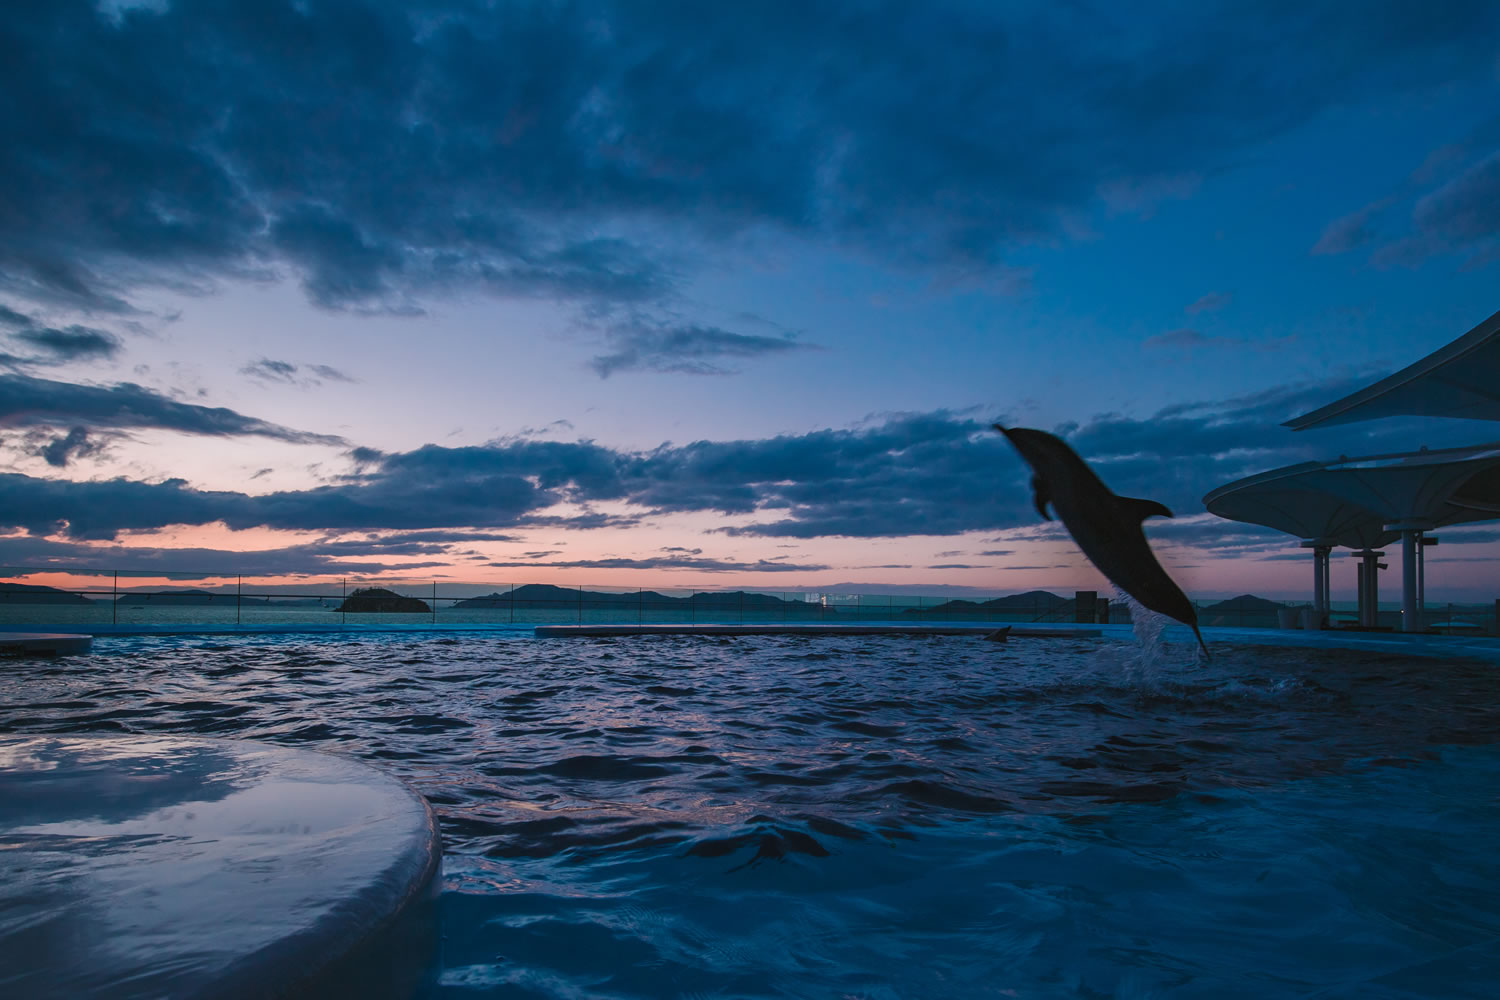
1283, 500
1368, 502
1460, 380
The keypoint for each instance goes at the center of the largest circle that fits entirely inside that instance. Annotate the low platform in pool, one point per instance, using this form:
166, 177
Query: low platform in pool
43, 644
167, 866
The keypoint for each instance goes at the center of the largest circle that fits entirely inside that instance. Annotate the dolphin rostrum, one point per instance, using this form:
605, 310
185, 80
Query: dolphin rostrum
1106, 527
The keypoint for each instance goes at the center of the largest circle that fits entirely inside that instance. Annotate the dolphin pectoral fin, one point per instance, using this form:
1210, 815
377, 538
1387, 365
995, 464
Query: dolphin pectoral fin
1041, 497
1201, 643
1142, 509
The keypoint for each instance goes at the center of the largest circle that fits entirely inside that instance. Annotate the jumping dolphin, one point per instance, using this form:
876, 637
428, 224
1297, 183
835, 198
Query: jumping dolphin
1106, 527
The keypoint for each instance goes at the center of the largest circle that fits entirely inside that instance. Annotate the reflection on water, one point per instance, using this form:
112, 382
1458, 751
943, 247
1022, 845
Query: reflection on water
887, 816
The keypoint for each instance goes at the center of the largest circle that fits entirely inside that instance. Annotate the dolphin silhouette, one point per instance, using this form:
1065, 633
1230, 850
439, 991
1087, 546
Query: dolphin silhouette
1106, 527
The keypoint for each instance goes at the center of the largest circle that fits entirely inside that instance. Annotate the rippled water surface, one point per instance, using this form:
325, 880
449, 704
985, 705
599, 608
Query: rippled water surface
883, 817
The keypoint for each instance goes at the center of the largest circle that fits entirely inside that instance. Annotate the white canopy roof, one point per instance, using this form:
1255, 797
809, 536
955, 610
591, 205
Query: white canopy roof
1460, 380
1353, 501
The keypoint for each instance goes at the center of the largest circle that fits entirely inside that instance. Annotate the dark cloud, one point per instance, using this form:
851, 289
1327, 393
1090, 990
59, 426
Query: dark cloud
27, 401
1187, 340
384, 151
192, 562
330, 373
1351, 231
1180, 339
73, 343
287, 373
907, 474
1211, 302
956, 566
996, 552
58, 345
689, 350
1462, 216
700, 565
75, 444
271, 371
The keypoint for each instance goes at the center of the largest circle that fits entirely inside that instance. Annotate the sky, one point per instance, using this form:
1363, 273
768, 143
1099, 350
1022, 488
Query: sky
718, 296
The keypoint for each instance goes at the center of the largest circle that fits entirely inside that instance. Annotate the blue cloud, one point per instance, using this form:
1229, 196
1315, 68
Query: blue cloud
287, 373
28, 401
936, 473
73, 343
488, 145
690, 349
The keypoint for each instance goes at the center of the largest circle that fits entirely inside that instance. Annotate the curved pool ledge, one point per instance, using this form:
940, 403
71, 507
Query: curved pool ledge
189, 867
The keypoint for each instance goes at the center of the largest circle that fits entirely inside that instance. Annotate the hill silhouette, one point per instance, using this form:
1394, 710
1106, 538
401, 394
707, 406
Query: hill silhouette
536, 596
1245, 604
33, 593
1041, 602
188, 598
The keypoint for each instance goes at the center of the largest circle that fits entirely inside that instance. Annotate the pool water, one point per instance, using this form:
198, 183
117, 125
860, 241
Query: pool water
883, 817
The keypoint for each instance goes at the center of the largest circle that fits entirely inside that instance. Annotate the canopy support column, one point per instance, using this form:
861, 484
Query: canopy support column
1369, 586
1409, 611
1321, 548
1411, 572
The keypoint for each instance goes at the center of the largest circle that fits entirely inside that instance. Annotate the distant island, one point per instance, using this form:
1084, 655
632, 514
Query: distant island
1040, 601
537, 596
31, 593
1245, 604
378, 600
188, 598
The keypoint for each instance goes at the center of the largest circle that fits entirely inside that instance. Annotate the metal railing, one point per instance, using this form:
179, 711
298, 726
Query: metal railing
125, 598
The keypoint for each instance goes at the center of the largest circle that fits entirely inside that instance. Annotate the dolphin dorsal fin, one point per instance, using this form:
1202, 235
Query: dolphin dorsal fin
1143, 509
1041, 498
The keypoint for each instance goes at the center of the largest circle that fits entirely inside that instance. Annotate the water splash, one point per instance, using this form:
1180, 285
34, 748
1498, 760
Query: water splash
1145, 669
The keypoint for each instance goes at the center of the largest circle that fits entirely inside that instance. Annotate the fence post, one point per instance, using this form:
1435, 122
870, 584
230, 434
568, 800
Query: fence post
580, 604
239, 585
512, 604
434, 602
344, 615
114, 613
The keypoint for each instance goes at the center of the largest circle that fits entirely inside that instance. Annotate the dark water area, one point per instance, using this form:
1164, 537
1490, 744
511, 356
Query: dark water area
887, 816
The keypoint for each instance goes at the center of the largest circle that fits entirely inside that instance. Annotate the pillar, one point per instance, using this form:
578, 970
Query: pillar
1423, 541
1321, 548
1369, 586
1410, 613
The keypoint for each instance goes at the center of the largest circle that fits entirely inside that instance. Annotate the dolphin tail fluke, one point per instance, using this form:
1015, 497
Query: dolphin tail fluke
1201, 643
